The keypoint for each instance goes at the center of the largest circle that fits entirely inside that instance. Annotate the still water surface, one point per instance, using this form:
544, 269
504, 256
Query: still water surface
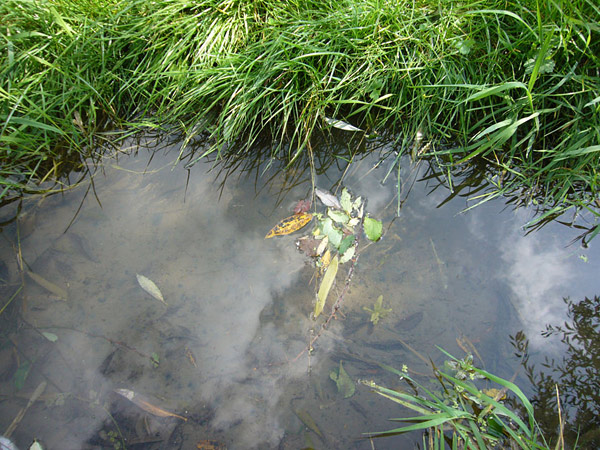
225, 352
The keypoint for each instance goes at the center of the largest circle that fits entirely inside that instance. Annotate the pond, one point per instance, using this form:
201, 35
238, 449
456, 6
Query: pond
222, 360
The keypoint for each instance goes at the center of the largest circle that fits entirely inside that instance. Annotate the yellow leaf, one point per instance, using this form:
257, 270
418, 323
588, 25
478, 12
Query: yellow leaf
289, 225
325, 260
326, 284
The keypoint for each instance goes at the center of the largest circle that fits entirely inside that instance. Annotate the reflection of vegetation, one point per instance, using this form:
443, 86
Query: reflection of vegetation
577, 376
478, 183
477, 418
234, 72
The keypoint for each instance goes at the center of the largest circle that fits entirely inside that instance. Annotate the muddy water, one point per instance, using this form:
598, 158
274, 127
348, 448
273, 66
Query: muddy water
227, 352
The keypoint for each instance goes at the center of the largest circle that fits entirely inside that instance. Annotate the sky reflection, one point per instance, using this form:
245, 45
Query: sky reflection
239, 305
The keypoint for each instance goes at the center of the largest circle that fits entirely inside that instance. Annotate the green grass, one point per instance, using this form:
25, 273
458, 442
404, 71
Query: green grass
459, 414
514, 84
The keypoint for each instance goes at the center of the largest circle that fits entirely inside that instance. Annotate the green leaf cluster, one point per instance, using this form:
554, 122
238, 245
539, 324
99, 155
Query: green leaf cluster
338, 229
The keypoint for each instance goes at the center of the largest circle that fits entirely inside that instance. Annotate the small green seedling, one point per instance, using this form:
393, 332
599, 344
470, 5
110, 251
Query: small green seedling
378, 311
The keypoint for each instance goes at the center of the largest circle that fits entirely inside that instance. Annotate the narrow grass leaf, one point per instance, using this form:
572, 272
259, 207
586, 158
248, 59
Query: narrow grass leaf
495, 90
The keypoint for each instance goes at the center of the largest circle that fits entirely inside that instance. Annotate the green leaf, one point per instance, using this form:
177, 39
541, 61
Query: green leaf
495, 90
378, 312
329, 230
50, 336
345, 201
346, 243
373, 228
348, 254
21, 375
344, 383
338, 216
326, 284
36, 446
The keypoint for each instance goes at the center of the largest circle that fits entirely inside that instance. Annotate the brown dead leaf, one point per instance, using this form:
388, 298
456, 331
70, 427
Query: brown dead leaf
308, 245
302, 206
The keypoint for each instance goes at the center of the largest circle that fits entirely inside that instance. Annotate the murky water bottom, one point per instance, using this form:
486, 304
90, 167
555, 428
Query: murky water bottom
227, 352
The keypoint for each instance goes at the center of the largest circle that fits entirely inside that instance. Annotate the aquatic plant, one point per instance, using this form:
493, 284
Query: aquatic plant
462, 415
515, 84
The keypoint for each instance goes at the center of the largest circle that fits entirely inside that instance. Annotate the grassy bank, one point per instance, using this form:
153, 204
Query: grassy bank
516, 84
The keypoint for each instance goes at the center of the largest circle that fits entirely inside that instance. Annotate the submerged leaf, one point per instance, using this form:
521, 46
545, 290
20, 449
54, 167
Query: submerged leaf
373, 228
309, 246
344, 383
326, 284
148, 407
150, 287
289, 225
36, 445
50, 336
56, 290
378, 312
302, 206
307, 420
21, 374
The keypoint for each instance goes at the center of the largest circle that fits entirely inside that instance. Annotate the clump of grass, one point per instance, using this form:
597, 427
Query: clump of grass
462, 415
515, 84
